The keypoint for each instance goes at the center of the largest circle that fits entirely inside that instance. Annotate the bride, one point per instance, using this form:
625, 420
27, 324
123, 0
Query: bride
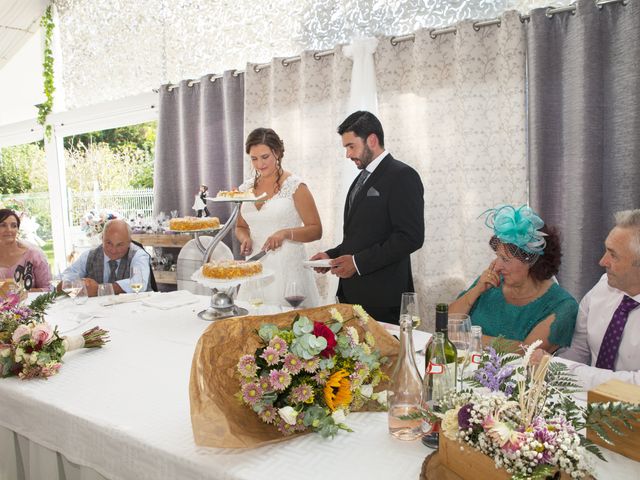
280, 224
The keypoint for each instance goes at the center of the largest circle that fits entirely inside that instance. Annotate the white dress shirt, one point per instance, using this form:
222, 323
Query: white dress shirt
140, 260
595, 312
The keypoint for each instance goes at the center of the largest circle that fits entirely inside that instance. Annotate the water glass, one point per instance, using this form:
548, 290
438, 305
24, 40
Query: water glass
136, 282
105, 290
81, 295
256, 297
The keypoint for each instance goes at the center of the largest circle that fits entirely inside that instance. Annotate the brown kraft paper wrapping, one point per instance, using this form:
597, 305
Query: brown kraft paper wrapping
218, 418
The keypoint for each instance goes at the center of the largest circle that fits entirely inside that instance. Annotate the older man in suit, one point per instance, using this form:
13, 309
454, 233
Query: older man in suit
383, 223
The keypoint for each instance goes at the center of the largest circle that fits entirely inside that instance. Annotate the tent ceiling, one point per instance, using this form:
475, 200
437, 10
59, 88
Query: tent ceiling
19, 19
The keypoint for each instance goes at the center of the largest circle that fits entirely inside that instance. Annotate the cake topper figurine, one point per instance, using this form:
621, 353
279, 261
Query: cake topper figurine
200, 202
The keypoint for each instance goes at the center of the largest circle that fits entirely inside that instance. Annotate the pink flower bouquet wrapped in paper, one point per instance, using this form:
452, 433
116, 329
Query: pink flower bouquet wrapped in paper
29, 347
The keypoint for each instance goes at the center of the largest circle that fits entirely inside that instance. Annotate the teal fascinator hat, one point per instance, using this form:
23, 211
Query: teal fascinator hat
517, 226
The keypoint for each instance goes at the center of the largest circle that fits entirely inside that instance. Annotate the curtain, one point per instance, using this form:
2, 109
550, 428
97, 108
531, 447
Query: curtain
584, 82
304, 102
199, 142
453, 107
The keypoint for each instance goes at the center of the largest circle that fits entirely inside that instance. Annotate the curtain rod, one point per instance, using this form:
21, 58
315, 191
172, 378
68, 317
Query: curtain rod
551, 11
395, 40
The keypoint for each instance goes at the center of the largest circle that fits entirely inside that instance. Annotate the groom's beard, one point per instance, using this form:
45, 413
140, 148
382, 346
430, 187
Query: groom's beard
365, 159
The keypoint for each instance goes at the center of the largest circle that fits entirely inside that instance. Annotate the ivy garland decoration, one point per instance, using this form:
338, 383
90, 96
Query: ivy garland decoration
44, 109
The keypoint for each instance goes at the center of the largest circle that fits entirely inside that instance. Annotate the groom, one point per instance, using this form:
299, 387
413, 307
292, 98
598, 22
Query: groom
383, 223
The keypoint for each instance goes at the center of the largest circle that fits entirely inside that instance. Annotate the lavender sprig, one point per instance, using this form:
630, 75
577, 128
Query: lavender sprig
493, 374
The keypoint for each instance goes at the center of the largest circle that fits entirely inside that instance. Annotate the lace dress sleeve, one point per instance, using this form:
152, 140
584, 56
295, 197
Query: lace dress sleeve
290, 186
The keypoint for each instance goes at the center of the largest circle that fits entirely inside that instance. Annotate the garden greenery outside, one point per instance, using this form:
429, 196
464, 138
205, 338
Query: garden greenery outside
115, 159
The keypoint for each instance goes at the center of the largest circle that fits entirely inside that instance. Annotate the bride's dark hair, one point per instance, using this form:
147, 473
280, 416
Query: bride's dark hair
266, 136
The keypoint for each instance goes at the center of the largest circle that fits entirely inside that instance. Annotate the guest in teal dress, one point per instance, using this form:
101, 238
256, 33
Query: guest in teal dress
517, 297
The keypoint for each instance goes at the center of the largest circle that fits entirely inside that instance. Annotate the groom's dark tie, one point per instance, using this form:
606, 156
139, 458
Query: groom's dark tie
364, 174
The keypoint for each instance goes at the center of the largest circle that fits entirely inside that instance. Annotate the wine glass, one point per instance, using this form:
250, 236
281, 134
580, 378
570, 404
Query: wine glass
294, 294
136, 281
459, 332
257, 296
409, 306
71, 286
55, 276
81, 295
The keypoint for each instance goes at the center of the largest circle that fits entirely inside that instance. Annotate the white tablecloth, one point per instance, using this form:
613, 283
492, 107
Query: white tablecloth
123, 411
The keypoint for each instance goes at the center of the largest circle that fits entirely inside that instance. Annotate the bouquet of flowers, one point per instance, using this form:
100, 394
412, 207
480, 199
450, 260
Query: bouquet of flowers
308, 376
29, 347
525, 419
93, 222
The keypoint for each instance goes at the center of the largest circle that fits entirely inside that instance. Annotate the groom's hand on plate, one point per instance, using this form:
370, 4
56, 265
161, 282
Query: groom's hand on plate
320, 256
343, 266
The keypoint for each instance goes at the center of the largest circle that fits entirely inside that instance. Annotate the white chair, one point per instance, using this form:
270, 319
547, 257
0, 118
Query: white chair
190, 260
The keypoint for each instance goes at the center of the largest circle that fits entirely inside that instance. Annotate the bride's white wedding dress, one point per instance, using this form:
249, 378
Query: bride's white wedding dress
277, 213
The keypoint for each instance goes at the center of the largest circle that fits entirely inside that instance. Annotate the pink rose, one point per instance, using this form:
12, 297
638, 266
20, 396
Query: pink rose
42, 334
21, 331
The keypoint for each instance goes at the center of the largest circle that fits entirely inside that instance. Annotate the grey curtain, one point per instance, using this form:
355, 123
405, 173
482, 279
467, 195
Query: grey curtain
584, 114
200, 141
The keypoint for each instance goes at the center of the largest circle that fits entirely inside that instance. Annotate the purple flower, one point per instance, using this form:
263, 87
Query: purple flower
302, 394
493, 376
293, 363
270, 355
268, 414
247, 366
464, 416
279, 379
251, 393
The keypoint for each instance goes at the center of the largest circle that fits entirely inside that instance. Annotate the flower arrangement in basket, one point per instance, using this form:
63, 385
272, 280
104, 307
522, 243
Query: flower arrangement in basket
93, 222
523, 416
29, 347
310, 375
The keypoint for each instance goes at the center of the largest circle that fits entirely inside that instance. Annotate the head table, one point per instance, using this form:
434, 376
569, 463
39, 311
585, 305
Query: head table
122, 412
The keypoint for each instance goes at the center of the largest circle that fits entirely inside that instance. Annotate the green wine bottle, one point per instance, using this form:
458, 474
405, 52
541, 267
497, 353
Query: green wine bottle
450, 351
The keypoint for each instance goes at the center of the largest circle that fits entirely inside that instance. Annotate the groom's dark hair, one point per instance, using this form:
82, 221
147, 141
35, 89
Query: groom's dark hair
362, 124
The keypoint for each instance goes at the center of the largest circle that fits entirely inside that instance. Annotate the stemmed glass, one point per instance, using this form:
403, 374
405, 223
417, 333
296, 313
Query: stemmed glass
459, 332
55, 276
294, 294
74, 287
105, 290
136, 281
409, 306
257, 296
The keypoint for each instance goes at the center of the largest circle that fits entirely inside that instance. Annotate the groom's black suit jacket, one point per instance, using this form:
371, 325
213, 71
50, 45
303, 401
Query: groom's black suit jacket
384, 225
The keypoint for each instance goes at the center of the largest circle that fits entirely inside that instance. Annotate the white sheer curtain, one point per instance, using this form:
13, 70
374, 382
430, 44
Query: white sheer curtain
304, 102
453, 107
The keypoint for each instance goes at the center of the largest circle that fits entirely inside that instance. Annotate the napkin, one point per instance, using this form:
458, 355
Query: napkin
166, 301
124, 298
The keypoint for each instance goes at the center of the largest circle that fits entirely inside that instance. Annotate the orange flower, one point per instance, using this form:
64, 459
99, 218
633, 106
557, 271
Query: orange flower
337, 391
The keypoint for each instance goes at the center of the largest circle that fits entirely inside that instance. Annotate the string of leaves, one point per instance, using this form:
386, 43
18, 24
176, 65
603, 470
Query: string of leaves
44, 109
41, 302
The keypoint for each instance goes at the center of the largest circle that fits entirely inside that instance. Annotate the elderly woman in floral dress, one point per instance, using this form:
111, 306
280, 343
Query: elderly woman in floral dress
20, 261
516, 297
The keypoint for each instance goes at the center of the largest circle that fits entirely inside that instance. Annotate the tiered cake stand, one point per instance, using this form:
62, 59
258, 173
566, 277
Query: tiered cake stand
223, 292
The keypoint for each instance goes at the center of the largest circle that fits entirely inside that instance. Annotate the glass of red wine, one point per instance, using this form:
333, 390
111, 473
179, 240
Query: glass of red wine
294, 294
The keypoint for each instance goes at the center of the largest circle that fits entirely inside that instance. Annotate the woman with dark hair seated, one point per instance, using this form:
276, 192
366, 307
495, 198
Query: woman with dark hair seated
517, 296
26, 264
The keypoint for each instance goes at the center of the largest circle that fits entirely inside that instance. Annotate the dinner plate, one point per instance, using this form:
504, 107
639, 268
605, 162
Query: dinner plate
322, 263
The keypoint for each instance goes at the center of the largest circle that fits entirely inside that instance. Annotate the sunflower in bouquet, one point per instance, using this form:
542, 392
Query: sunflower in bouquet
310, 375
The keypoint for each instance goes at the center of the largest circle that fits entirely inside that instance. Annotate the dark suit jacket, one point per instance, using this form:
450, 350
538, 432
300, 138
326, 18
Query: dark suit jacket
383, 227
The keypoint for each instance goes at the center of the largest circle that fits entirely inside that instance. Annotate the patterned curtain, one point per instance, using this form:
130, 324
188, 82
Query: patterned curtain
453, 107
304, 102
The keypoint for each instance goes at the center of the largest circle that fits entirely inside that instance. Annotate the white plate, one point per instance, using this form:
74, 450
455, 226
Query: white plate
225, 199
323, 263
199, 230
224, 283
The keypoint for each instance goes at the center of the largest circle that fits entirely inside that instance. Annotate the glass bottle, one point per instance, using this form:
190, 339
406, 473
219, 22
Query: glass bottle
438, 382
450, 351
475, 348
405, 392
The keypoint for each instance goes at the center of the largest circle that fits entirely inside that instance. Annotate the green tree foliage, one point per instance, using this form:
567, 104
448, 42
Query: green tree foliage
22, 169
